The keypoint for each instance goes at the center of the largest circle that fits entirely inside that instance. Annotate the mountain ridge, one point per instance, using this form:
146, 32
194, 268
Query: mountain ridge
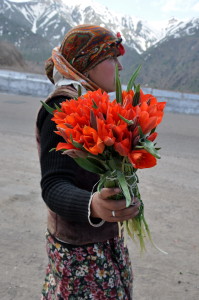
35, 27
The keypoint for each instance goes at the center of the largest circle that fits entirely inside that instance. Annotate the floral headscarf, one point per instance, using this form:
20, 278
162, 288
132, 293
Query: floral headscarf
82, 48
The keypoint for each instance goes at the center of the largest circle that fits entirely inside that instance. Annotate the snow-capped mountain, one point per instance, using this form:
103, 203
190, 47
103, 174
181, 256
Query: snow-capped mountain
52, 18
177, 29
47, 18
36, 26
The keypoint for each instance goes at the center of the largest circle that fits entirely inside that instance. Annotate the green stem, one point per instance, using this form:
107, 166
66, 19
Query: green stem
137, 227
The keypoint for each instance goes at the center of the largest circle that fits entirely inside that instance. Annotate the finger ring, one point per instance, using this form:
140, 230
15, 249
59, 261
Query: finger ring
133, 203
113, 213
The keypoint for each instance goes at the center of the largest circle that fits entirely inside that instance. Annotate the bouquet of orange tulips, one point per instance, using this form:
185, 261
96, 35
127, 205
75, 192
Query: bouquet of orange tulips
113, 139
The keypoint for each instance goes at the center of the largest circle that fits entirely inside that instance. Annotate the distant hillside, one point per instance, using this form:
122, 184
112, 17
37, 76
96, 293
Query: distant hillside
172, 64
170, 60
32, 45
11, 58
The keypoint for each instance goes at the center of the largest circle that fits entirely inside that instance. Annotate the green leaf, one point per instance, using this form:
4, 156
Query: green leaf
129, 122
52, 149
140, 132
124, 186
101, 182
153, 130
132, 79
98, 162
88, 165
58, 108
136, 98
79, 90
94, 104
149, 147
76, 144
139, 147
48, 108
118, 86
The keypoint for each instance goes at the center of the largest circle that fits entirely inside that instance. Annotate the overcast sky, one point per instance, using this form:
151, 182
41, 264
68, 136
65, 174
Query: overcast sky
153, 11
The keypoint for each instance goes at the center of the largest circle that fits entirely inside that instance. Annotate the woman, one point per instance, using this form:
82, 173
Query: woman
87, 258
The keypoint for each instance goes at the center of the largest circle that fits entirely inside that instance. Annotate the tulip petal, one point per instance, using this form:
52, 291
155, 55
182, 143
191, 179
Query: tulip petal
141, 159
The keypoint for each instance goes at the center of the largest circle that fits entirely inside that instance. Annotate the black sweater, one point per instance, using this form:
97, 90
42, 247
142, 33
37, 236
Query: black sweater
66, 188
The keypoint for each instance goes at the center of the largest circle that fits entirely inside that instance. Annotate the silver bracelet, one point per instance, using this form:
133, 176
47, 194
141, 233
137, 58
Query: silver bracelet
89, 214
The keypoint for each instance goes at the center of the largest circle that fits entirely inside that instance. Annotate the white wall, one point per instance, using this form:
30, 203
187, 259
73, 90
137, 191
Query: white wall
38, 85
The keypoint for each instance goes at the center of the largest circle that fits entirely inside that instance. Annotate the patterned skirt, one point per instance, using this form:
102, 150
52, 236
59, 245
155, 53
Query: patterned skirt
97, 271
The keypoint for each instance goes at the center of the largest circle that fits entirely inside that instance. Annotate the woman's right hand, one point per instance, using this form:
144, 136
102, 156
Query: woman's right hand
102, 207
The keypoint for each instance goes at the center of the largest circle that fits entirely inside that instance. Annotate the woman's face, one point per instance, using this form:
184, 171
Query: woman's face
103, 74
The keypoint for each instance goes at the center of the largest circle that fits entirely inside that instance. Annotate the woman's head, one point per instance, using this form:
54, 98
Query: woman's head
86, 45
83, 49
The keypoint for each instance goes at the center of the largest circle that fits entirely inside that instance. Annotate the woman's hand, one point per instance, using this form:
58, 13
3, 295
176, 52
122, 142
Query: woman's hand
112, 210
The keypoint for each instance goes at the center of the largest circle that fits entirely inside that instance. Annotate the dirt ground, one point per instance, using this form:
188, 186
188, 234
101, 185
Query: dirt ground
170, 192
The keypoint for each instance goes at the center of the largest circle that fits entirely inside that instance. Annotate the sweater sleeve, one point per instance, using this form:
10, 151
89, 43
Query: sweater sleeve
66, 188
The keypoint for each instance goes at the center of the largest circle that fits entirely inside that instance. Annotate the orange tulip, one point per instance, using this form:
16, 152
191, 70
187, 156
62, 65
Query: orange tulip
105, 133
64, 146
152, 136
95, 122
58, 117
127, 98
92, 142
142, 159
123, 147
119, 131
146, 122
